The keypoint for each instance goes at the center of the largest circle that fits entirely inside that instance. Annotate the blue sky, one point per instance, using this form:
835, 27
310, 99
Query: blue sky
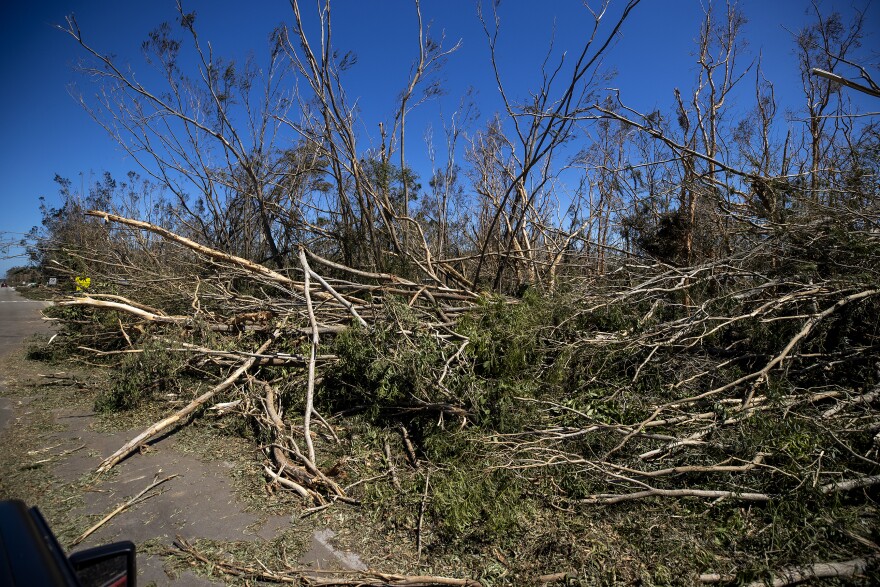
44, 131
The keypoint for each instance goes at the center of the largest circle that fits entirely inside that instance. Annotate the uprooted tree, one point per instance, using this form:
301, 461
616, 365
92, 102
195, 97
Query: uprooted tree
696, 317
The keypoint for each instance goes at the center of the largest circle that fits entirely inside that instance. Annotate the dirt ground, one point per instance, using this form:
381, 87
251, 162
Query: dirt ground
51, 441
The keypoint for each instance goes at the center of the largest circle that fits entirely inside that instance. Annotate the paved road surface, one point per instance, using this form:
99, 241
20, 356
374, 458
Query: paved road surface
19, 319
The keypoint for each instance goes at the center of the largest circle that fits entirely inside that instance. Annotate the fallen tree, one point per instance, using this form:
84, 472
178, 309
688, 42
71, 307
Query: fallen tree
687, 356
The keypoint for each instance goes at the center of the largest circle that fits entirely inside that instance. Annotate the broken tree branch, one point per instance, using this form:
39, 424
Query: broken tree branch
171, 420
122, 507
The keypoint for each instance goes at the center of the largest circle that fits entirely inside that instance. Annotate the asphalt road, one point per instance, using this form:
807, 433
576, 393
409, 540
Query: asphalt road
19, 319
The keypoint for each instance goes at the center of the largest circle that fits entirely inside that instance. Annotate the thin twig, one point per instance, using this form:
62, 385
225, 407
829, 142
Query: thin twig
422, 517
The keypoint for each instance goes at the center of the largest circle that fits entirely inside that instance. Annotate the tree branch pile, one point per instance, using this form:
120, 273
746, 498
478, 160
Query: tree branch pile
690, 327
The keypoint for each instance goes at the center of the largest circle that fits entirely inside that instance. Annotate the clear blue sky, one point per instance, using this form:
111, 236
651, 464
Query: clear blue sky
44, 131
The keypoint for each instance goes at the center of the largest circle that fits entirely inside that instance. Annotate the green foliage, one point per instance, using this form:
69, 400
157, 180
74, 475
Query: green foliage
77, 327
504, 336
382, 368
503, 360
39, 349
139, 378
476, 505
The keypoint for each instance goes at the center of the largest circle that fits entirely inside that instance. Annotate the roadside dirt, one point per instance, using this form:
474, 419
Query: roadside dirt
51, 441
